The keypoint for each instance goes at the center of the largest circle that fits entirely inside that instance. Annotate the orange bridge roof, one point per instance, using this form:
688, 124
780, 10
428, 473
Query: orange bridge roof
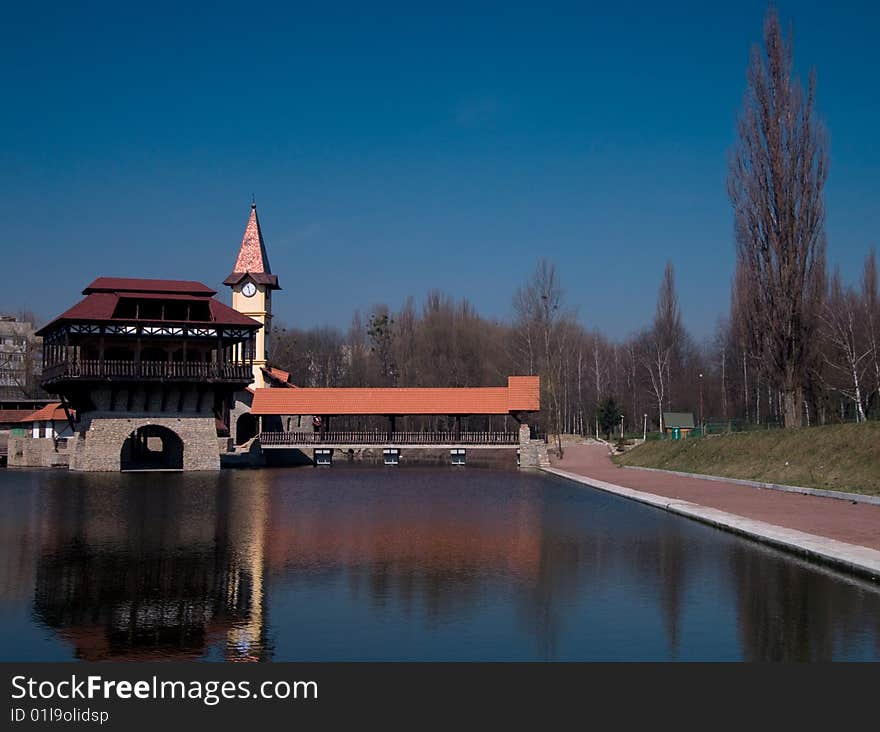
520, 395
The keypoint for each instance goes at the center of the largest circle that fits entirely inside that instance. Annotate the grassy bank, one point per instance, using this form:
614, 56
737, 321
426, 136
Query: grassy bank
842, 457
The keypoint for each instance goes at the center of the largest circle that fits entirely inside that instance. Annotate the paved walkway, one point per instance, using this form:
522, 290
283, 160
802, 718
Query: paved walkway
857, 524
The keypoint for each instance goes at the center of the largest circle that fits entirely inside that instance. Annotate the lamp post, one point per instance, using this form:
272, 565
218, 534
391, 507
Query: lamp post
702, 422
621, 427
645, 429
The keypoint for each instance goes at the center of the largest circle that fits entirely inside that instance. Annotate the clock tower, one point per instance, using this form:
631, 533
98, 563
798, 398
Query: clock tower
252, 283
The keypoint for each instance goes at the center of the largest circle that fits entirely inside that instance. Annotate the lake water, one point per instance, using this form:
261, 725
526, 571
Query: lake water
376, 563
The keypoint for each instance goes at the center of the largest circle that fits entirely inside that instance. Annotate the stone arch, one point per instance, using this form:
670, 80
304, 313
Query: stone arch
152, 447
245, 428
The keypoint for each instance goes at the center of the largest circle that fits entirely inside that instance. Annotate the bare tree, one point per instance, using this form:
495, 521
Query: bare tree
654, 357
668, 328
850, 349
660, 346
777, 174
721, 348
382, 336
871, 314
537, 305
357, 353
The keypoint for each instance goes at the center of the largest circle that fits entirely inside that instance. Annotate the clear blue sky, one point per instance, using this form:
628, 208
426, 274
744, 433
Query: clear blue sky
396, 148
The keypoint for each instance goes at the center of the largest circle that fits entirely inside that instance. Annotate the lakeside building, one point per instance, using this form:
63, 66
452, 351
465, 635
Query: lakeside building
160, 375
678, 424
19, 358
42, 436
148, 367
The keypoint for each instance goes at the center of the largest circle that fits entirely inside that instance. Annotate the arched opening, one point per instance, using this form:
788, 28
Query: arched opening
245, 428
152, 447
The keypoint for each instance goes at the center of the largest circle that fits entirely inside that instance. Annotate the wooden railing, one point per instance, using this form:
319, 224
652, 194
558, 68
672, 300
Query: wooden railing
148, 370
283, 439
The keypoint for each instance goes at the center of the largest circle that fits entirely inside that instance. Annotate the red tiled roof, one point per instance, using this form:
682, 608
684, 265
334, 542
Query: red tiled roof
176, 297
261, 278
252, 254
104, 293
53, 411
134, 284
252, 260
9, 416
278, 376
279, 373
524, 393
225, 315
521, 395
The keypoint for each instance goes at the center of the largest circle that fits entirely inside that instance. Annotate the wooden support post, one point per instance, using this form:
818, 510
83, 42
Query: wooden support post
66, 407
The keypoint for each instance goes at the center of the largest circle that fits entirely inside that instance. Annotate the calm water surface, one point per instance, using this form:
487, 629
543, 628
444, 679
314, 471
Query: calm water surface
396, 564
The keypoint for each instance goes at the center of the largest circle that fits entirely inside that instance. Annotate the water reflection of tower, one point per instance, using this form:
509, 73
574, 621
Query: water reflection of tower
135, 569
248, 512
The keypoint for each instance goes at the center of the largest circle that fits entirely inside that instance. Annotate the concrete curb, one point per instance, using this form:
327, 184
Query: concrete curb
850, 557
821, 493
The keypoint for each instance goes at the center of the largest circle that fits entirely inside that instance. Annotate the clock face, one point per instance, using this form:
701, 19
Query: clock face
249, 289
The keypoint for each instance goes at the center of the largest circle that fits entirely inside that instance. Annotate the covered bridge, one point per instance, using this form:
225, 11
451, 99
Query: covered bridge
519, 399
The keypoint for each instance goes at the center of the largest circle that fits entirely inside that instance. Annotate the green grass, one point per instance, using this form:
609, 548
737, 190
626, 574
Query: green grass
844, 457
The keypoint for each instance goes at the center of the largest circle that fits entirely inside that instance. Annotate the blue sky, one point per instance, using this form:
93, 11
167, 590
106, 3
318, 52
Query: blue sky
394, 148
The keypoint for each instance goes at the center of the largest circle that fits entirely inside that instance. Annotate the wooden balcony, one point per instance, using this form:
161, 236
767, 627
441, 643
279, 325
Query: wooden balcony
183, 371
346, 439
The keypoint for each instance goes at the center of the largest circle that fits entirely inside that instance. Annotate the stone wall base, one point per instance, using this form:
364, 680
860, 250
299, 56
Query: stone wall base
532, 453
481, 458
97, 447
29, 452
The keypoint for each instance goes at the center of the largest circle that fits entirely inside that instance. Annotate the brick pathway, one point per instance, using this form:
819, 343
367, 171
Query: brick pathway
829, 517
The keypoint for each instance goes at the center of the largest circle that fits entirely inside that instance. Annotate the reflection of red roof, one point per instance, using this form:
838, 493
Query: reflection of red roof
104, 293
520, 395
50, 412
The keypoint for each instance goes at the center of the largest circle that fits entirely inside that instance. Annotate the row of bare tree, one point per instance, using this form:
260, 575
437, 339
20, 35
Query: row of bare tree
811, 343
795, 349
725, 379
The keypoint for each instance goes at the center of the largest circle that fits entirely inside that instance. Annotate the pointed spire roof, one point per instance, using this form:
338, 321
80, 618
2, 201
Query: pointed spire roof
252, 255
252, 258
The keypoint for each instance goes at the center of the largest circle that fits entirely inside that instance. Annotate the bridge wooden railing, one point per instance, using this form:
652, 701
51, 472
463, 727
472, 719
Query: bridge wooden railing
282, 439
162, 370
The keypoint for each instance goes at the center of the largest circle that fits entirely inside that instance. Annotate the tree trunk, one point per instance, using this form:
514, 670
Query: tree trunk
793, 402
